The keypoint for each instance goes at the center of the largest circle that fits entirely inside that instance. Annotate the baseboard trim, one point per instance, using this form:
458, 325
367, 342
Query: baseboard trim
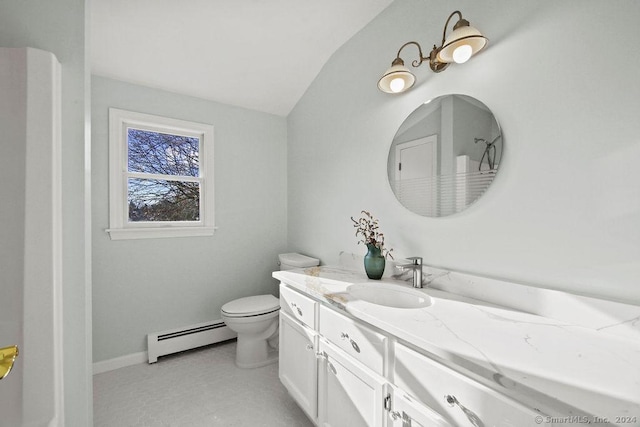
119, 362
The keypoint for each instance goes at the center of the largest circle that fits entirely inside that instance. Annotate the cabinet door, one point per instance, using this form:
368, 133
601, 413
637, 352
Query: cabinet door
298, 365
349, 395
407, 412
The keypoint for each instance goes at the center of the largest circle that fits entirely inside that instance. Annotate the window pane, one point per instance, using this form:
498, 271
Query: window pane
161, 153
162, 200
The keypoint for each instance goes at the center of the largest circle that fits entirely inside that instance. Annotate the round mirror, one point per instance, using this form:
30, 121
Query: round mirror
445, 155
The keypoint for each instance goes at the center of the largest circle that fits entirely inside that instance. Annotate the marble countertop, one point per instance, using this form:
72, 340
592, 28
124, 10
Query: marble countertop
558, 366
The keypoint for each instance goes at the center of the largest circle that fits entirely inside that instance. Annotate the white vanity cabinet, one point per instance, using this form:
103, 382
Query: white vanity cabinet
349, 394
343, 372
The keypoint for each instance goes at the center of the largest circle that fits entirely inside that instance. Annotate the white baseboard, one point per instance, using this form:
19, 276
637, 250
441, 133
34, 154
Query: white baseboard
119, 362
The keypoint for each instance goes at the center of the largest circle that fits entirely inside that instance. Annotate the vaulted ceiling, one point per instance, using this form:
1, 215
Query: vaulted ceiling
256, 54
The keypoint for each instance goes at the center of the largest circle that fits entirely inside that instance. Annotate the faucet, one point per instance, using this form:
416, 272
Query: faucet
416, 266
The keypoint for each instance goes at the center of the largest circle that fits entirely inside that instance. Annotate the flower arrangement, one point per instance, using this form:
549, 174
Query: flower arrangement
368, 230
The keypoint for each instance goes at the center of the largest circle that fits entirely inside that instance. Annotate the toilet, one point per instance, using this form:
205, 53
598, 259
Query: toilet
255, 319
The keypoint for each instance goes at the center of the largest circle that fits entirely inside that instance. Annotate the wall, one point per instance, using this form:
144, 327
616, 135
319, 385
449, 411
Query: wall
561, 79
60, 27
150, 285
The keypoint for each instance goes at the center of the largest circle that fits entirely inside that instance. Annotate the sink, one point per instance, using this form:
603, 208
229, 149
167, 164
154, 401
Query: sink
389, 295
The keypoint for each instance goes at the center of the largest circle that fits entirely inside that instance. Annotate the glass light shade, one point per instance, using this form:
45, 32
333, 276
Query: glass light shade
460, 37
396, 79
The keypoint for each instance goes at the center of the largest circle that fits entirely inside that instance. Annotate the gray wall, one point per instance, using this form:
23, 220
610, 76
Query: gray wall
563, 212
60, 27
150, 285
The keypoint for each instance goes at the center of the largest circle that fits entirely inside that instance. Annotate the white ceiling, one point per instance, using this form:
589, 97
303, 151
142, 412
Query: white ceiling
257, 54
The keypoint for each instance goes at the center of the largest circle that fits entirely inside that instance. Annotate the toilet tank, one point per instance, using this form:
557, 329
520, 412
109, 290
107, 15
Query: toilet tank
295, 260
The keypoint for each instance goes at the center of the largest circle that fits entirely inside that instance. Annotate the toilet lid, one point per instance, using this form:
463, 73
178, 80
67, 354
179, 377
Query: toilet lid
251, 306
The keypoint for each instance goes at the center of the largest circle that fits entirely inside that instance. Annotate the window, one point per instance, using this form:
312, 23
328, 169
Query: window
161, 177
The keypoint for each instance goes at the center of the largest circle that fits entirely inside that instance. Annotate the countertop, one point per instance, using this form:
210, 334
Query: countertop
561, 367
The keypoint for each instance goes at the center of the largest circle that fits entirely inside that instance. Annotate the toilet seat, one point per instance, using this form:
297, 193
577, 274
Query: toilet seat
256, 305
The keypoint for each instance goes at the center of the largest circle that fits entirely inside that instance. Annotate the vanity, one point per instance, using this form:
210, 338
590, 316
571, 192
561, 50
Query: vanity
359, 352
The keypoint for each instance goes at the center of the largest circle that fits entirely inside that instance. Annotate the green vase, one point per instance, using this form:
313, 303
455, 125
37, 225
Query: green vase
374, 263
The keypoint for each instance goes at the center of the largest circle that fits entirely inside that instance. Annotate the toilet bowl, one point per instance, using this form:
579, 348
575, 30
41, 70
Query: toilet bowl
255, 320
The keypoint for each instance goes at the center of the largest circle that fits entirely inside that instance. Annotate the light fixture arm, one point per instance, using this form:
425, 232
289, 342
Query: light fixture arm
435, 65
444, 32
416, 62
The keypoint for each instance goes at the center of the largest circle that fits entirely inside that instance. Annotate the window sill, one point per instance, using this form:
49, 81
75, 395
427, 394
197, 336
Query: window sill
158, 233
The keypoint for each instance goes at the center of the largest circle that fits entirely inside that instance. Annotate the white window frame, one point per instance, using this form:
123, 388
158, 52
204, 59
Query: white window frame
119, 225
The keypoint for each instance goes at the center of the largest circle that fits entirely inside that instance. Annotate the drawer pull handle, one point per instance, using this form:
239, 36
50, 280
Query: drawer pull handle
345, 336
325, 356
355, 346
451, 400
406, 419
296, 308
332, 368
471, 416
309, 346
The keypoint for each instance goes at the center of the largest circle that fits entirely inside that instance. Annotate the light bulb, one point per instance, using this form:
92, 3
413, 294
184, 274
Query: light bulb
396, 85
462, 53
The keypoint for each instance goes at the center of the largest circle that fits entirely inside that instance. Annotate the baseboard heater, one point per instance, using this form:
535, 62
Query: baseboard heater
190, 337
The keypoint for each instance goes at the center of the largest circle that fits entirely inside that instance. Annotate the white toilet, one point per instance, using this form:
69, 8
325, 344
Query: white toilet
255, 319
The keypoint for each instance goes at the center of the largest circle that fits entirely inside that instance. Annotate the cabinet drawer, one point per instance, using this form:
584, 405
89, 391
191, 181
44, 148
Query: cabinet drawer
460, 400
358, 341
298, 306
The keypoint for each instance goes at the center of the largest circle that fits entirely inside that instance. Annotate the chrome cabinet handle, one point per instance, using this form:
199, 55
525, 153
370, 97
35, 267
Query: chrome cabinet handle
332, 368
345, 336
451, 400
406, 419
325, 356
473, 418
296, 308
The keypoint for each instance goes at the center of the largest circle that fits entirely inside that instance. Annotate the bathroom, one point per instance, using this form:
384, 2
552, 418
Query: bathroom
563, 212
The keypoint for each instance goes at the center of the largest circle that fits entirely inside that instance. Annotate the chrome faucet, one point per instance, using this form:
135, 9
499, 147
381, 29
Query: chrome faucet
416, 266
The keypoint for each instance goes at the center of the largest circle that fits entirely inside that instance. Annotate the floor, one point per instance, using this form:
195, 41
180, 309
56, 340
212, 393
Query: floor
199, 388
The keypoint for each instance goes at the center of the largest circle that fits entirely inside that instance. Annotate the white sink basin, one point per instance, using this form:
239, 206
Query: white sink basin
389, 295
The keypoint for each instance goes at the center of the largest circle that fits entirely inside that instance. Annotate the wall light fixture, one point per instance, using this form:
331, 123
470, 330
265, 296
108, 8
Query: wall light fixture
463, 42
